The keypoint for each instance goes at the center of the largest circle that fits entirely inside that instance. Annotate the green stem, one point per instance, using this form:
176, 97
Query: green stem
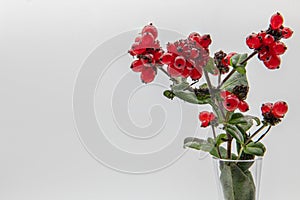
226, 78
215, 137
215, 100
221, 109
210, 87
261, 137
212, 93
249, 57
240, 153
255, 133
229, 144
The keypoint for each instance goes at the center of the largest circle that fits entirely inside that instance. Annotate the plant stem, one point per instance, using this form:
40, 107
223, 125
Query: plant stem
240, 153
215, 136
249, 57
229, 144
194, 82
219, 78
226, 78
210, 87
221, 108
261, 137
212, 93
214, 132
255, 133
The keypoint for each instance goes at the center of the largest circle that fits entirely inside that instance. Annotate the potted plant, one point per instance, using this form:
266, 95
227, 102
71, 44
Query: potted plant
236, 143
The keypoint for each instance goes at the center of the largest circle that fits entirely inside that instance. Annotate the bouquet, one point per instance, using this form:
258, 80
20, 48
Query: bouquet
219, 80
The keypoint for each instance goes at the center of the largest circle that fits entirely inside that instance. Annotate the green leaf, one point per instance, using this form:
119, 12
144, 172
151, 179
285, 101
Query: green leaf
241, 130
203, 86
180, 83
187, 96
214, 152
256, 119
236, 60
198, 144
234, 80
246, 165
257, 149
211, 141
236, 183
221, 139
245, 122
241, 70
181, 89
250, 120
203, 94
169, 94
237, 118
210, 66
247, 126
235, 133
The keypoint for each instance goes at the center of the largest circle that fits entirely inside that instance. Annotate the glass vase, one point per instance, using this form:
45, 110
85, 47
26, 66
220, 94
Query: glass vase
238, 179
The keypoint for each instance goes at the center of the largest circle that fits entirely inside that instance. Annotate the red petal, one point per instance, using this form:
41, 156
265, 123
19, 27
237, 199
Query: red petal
148, 75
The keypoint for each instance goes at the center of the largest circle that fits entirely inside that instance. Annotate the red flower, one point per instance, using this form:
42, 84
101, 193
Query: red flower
206, 118
148, 52
186, 57
231, 102
278, 110
272, 113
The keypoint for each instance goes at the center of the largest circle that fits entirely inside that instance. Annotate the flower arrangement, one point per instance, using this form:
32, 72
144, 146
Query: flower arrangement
187, 60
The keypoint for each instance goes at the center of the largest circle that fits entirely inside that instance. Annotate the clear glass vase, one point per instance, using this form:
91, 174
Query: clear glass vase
238, 179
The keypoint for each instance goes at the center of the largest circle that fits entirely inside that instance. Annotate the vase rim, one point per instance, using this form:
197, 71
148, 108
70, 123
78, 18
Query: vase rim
229, 160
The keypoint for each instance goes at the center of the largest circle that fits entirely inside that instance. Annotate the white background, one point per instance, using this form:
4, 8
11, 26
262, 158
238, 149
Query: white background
43, 45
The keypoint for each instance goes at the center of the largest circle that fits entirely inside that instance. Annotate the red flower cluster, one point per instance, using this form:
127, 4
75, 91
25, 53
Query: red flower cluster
231, 102
278, 110
273, 112
148, 52
267, 43
206, 118
187, 57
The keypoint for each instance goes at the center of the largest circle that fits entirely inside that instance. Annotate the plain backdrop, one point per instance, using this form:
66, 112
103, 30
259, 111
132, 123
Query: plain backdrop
43, 44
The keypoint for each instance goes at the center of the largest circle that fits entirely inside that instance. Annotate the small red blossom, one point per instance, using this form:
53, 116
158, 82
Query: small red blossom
243, 106
231, 102
206, 118
273, 113
276, 21
266, 108
279, 109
